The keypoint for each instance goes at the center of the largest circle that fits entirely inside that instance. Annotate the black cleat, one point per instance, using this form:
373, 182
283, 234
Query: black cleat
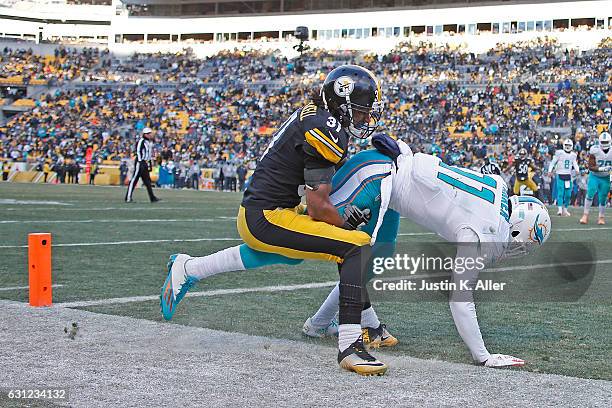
355, 358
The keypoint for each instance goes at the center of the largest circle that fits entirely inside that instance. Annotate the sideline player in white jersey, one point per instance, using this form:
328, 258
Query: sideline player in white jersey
563, 163
458, 204
600, 164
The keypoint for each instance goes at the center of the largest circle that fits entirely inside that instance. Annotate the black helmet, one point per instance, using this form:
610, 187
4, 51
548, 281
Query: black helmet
351, 88
523, 153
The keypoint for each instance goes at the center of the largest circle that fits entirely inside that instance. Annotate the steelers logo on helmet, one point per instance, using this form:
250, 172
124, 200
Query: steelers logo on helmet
344, 86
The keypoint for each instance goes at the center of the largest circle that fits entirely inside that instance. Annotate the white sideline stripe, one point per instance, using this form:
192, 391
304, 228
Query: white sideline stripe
282, 288
416, 234
126, 208
218, 292
150, 241
25, 287
551, 265
584, 229
114, 221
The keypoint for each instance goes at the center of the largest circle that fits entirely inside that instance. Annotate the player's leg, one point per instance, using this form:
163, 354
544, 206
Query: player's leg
132, 184
532, 186
285, 232
592, 187
560, 195
602, 191
567, 194
185, 271
322, 322
517, 187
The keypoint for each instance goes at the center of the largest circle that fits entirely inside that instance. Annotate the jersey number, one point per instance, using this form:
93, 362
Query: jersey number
452, 175
523, 168
279, 133
567, 164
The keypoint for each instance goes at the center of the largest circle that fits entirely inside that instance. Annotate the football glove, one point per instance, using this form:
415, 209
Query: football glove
355, 218
605, 168
502, 360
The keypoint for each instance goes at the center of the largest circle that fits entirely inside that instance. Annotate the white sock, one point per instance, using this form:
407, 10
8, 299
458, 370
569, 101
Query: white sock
602, 210
328, 309
369, 318
587, 205
347, 335
560, 209
227, 260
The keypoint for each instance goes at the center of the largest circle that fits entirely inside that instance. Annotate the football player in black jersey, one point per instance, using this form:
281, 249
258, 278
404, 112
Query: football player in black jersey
522, 164
300, 161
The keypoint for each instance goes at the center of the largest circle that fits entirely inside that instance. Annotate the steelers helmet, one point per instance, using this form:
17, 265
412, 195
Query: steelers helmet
349, 89
522, 153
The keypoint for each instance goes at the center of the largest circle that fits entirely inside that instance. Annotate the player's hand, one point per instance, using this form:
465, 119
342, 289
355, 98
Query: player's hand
502, 360
355, 218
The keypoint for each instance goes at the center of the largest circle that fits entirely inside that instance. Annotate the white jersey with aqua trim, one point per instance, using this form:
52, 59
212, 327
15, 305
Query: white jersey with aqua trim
602, 159
445, 199
563, 163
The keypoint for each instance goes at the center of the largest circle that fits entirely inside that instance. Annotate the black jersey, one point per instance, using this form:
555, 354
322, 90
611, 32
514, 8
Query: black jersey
310, 139
522, 168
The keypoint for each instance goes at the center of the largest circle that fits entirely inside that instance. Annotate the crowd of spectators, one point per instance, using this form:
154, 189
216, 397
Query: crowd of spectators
23, 65
221, 111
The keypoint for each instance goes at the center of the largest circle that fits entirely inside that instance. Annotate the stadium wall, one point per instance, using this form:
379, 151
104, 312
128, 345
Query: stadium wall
379, 30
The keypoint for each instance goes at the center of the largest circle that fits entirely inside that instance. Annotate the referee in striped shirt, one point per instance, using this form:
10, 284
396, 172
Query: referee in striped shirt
142, 166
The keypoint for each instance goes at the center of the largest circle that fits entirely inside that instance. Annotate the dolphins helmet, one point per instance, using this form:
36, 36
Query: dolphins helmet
530, 225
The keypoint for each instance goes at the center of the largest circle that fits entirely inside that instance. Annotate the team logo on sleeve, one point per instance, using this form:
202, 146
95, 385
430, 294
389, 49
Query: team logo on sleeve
344, 86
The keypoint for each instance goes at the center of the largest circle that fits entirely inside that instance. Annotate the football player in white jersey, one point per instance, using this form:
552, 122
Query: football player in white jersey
563, 163
600, 164
464, 206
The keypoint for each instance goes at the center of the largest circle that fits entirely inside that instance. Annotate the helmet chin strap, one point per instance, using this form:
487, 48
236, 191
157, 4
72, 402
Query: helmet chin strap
324, 100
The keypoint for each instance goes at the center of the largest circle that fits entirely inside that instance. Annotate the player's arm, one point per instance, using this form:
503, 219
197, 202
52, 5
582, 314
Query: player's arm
463, 309
576, 167
320, 207
593, 163
321, 156
553, 163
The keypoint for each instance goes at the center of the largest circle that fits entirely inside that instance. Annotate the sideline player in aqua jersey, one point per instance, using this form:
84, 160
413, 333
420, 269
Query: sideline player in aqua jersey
600, 164
457, 204
563, 163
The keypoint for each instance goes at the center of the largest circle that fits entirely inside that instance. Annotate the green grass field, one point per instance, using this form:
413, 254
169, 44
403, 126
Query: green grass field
570, 338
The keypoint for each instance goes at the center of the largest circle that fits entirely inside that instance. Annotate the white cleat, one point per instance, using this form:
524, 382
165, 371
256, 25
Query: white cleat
311, 330
176, 285
566, 213
502, 360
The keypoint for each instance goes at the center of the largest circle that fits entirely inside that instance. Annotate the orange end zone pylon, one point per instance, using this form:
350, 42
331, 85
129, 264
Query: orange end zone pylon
39, 267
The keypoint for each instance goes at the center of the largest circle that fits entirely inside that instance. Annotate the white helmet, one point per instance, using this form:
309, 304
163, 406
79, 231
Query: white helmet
604, 140
568, 145
529, 225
